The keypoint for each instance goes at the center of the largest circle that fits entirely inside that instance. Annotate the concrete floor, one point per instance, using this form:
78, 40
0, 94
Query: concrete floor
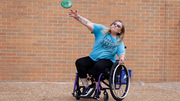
14, 91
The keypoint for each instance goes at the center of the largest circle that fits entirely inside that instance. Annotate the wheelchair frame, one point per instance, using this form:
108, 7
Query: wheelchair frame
116, 81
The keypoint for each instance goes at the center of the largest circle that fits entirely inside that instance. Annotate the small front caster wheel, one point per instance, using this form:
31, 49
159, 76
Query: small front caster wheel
106, 97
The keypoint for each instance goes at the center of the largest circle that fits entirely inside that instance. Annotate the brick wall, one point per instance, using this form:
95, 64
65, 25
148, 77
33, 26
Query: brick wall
172, 41
39, 42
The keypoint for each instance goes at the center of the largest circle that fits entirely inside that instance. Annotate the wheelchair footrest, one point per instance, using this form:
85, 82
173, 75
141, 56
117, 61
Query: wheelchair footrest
88, 97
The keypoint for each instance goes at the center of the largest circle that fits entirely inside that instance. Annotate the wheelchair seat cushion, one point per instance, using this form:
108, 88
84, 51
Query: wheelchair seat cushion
90, 71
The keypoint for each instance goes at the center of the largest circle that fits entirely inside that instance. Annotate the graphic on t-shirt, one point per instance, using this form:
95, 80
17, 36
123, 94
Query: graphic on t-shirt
108, 44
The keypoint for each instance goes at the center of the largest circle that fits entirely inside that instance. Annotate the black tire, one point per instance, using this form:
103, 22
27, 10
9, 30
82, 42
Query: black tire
117, 88
106, 97
77, 94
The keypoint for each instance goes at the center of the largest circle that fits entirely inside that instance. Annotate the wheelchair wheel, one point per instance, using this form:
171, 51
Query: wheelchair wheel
77, 91
77, 94
119, 81
106, 97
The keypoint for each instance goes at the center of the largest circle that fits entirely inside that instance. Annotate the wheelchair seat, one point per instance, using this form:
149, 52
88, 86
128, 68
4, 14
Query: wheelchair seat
105, 72
90, 71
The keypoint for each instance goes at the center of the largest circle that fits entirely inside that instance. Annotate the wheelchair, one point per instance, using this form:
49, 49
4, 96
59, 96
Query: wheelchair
117, 80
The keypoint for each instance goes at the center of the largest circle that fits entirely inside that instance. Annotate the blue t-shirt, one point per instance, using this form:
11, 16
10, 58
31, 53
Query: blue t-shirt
104, 46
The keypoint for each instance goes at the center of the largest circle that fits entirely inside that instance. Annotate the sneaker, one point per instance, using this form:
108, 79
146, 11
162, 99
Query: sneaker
97, 94
87, 91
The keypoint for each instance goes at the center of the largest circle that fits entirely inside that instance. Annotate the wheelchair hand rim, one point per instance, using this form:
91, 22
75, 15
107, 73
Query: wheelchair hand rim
124, 95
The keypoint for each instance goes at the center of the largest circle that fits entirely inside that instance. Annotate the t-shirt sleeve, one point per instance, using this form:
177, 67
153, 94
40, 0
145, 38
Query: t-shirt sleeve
97, 29
121, 49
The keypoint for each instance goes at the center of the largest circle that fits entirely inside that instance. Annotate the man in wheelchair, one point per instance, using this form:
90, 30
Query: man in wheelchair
108, 43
